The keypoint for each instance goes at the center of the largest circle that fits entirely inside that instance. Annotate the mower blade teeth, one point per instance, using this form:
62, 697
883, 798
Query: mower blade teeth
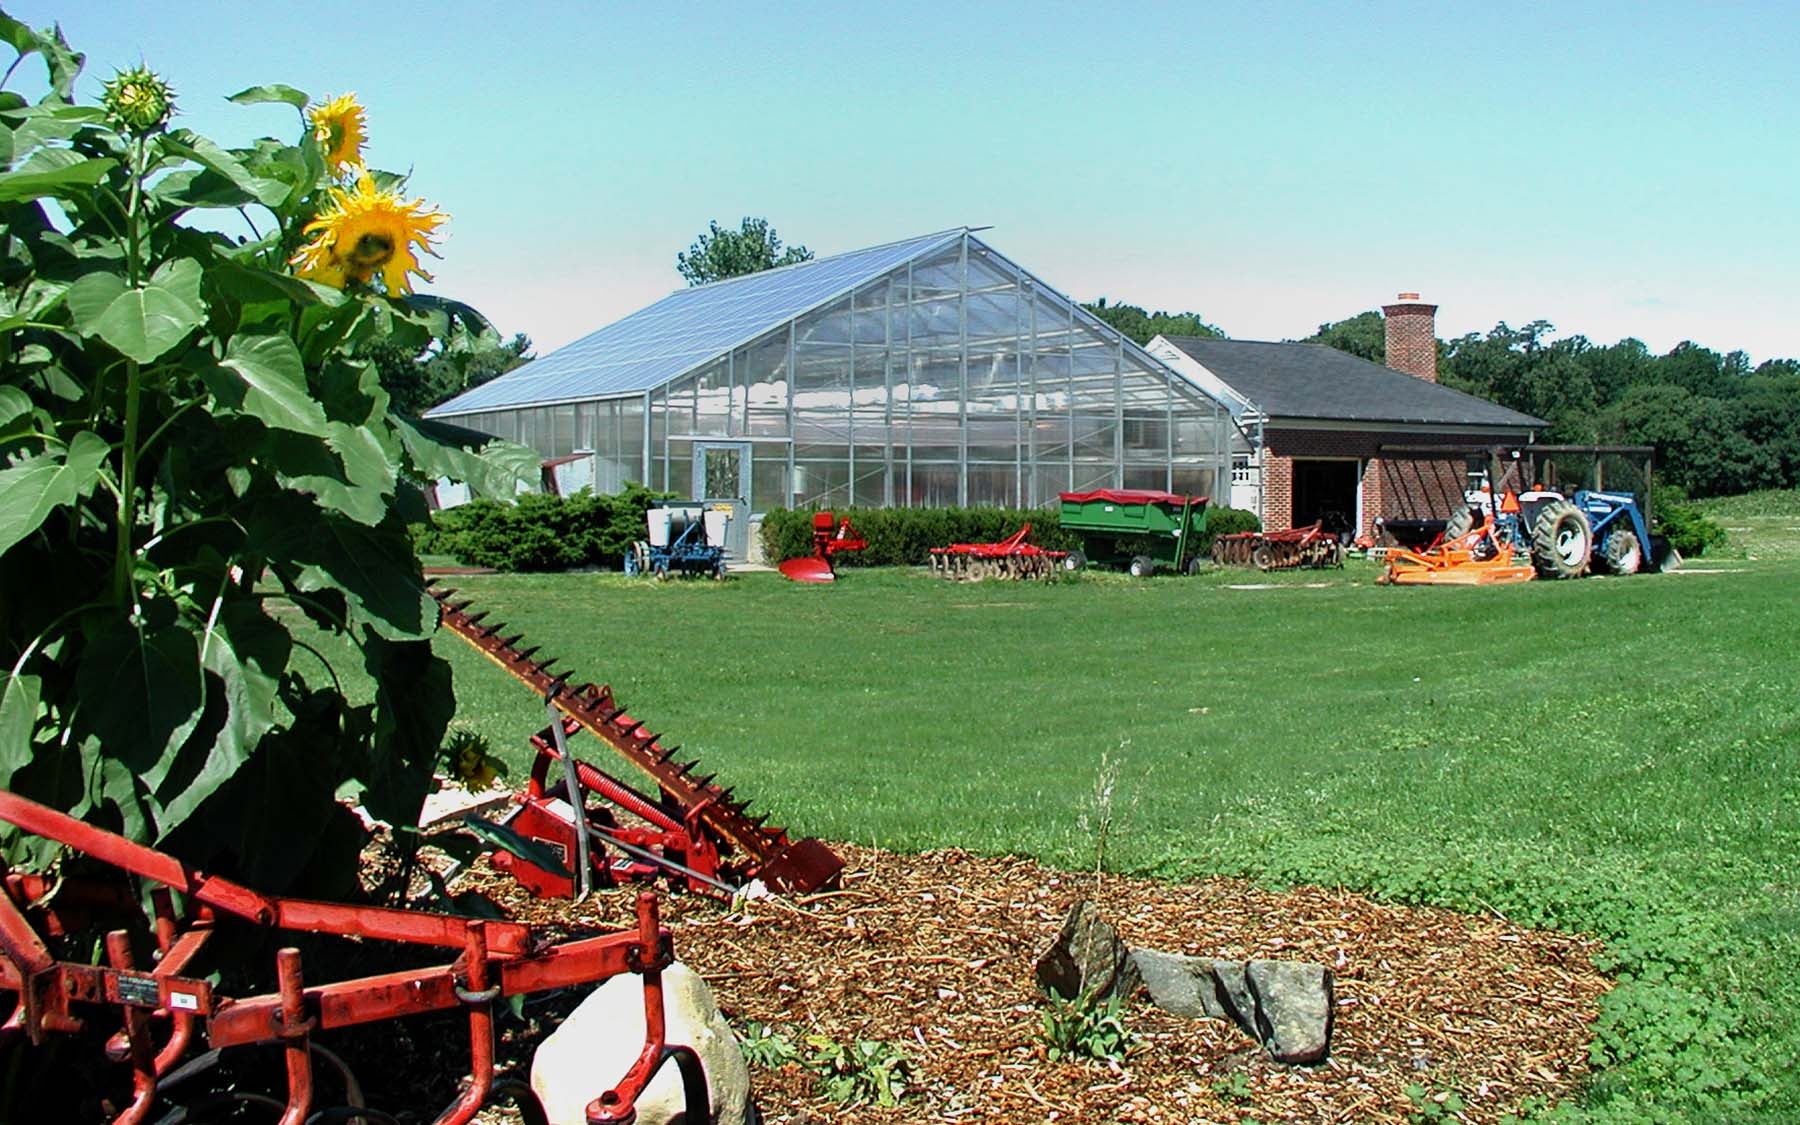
474, 618
556, 685
664, 753
704, 780
513, 640
527, 654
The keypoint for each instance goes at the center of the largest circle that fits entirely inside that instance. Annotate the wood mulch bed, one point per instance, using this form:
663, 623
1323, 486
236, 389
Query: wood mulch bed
935, 952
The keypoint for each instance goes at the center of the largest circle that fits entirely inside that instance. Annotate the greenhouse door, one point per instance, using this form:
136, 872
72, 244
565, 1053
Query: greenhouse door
722, 473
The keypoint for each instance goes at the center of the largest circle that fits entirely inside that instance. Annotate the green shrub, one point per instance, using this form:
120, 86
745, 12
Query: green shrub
1226, 521
1689, 530
541, 532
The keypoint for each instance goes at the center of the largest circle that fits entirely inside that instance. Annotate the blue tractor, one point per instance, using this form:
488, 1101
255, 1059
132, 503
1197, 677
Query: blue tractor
1568, 536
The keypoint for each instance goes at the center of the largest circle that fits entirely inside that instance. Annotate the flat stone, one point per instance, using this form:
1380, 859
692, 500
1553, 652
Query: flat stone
594, 1047
1293, 1009
1087, 959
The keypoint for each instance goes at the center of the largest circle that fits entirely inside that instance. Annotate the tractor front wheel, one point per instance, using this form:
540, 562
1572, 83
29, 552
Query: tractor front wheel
1621, 552
1562, 541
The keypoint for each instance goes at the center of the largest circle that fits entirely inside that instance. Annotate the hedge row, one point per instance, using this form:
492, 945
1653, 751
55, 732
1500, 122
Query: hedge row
541, 532
905, 536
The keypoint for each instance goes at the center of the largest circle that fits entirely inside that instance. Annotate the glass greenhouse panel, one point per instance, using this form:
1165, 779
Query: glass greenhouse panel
770, 478
933, 485
995, 486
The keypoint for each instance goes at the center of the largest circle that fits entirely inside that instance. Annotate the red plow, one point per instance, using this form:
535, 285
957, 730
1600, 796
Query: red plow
692, 832
830, 536
159, 1012
1308, 546
1012, 557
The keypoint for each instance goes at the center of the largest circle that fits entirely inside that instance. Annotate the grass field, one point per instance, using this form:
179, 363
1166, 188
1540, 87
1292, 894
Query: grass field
1614, 756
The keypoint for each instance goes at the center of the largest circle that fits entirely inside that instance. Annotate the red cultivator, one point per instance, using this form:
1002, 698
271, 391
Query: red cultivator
829, 537
1012, 557
694, 832
494, 960
1279, 550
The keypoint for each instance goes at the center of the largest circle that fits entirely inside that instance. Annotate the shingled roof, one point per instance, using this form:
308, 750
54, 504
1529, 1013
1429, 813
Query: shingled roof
1314, 381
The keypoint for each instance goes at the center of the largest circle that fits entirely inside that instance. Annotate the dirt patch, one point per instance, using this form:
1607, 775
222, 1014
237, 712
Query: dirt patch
934, 952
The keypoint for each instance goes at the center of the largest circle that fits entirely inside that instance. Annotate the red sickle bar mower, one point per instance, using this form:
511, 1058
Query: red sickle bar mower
494, 960
696, 833
829, 537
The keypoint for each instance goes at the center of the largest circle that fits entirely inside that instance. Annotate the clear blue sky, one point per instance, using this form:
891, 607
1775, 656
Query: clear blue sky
1618, 169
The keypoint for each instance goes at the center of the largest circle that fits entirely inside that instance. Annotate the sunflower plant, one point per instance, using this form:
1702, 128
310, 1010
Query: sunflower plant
205, 493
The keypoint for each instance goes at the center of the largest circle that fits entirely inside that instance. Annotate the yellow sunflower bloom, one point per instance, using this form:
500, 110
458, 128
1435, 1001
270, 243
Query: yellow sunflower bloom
341, 127
365, 230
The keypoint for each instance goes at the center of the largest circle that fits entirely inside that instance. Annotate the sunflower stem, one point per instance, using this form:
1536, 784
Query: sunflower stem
123, 591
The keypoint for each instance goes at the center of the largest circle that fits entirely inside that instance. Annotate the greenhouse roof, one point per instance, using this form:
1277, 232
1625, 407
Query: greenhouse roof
688, 329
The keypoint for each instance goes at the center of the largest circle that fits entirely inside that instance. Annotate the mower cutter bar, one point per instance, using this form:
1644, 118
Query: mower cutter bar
782, 864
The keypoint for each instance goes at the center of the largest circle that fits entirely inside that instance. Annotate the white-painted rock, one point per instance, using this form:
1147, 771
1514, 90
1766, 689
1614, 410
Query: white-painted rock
597, 1044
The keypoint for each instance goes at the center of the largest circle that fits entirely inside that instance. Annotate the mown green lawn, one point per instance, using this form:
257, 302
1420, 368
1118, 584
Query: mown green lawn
1615, 756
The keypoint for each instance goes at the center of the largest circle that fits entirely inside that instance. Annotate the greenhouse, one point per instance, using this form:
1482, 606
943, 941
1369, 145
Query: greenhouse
927, 372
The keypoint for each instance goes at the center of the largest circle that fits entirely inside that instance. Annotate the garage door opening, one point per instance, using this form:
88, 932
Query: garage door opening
1325, 493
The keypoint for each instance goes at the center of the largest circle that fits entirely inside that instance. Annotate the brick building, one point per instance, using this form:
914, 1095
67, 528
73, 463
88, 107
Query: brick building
1327, 436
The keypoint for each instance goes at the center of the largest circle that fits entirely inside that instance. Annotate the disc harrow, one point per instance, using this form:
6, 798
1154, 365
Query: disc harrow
157, 1014
698, 829
1279, 550
1011, 558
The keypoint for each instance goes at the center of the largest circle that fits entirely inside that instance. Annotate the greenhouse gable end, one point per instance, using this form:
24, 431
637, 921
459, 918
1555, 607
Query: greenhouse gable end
926, 372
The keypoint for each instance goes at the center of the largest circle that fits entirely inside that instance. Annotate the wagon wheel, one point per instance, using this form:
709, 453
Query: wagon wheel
1074, 560
1197, 564
1142, 566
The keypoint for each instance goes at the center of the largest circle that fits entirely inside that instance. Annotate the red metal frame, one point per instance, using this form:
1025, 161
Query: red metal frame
1012, 557
706, 809
497, 959
1309, 546
671, 847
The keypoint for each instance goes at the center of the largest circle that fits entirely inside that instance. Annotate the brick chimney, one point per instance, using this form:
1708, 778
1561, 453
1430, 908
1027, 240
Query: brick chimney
1412, 337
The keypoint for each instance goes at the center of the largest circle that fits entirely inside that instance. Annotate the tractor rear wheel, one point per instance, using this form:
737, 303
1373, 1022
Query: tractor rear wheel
1621, 552
1142, 566
1459, 524
1562, 541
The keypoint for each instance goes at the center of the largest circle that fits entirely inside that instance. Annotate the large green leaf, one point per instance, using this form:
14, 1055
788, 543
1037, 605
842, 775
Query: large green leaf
193, 146
32, 489
14, 403
243, 656
18, 717
373, 567
320, 469
141, 690
249, 283
63, 64
274, 384
273, 92
486, 464
52, 172
142, 323
414, 702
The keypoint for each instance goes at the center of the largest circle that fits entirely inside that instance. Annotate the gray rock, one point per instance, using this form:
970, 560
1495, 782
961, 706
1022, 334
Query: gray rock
1180, 985
1293, 1009
1087, 959
595, 1046
1235, 998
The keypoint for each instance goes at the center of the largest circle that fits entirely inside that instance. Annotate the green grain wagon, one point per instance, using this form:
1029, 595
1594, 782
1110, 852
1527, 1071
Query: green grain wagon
1138, 529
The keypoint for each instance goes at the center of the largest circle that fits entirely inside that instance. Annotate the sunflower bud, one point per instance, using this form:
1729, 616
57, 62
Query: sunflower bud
138, 101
